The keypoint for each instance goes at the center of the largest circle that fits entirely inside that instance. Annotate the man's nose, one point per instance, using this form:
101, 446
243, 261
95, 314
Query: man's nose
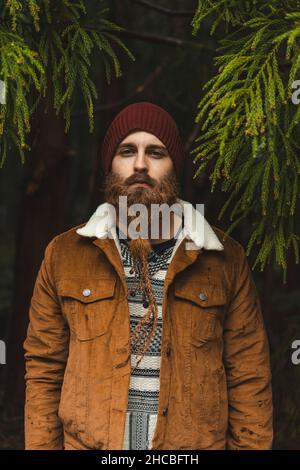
140, 162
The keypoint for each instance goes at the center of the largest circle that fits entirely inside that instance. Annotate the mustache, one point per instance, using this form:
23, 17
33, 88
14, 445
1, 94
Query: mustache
140, 178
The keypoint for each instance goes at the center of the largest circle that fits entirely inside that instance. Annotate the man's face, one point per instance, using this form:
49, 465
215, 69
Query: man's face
142, 170
142, 151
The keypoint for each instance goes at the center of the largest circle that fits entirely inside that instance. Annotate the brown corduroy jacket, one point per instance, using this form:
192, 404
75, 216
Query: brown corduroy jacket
215, 379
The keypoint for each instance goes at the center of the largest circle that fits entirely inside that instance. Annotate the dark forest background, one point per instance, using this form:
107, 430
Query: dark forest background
58, 186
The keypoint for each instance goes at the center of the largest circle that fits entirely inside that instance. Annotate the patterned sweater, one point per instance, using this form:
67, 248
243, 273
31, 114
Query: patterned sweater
144, 382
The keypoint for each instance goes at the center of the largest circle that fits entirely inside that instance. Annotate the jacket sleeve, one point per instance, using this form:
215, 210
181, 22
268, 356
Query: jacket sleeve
247, 365
46, 349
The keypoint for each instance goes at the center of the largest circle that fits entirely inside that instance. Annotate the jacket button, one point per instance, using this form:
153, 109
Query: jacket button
165, 412
202, 296
86, 292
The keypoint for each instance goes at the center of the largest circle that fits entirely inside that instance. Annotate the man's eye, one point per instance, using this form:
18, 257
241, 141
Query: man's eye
126, 151
156, 153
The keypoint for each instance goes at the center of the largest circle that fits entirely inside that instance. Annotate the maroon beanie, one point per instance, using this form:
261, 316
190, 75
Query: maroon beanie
148, 117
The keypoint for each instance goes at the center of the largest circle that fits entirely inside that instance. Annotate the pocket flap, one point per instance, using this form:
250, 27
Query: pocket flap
204, 295
86, 290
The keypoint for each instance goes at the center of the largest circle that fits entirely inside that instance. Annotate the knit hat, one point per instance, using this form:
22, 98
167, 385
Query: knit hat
148, 117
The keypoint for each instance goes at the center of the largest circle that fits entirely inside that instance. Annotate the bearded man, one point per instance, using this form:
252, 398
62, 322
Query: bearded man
142, 338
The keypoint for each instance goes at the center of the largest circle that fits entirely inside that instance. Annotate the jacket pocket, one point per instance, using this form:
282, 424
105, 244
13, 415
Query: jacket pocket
88, 305
206, 304
203, 306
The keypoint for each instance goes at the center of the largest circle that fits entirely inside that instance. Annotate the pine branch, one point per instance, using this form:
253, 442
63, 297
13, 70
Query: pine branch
42, 41
248, 124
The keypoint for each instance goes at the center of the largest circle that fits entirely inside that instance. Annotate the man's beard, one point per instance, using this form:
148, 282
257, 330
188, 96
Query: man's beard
165, 191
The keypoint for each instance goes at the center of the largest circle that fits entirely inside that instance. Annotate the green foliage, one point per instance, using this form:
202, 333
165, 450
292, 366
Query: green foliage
250, 126
48, 47
21, 70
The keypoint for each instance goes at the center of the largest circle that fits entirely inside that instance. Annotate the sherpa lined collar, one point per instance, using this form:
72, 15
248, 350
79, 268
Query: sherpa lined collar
196, 228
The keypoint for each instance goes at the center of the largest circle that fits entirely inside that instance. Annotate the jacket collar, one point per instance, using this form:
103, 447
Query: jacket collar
196, 228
